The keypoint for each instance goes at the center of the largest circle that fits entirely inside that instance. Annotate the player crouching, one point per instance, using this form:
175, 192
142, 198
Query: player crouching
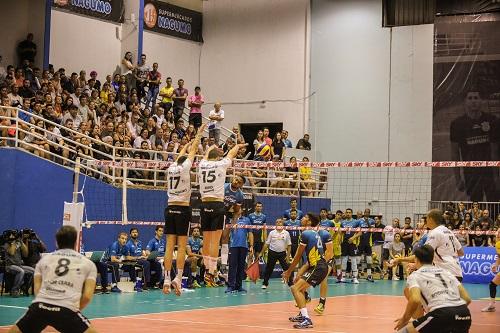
444, 299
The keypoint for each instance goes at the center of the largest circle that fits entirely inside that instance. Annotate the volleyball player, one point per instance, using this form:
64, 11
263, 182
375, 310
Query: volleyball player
212, 177
496, 280
294, 237
259, 235
326, 239
64, 285
178, 212
233, 200
349, 248
310, 242
446, 246
444, 299
366, 243
337, 241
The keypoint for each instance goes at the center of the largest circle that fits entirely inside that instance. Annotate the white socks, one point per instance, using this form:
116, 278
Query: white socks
304, 313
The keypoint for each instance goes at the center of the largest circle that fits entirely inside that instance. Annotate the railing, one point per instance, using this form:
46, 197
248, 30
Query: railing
116, 165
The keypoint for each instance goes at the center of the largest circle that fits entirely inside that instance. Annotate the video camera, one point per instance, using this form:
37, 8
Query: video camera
28, 233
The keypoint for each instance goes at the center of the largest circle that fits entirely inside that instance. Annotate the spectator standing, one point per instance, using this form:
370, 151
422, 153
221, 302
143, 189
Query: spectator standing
216, 117
141, 76
407, 235
127, 68
195, 103
154, 79
166, 94
304, 143
179, 98
278, 146
15, 249
266, 137
288, 143
26, 50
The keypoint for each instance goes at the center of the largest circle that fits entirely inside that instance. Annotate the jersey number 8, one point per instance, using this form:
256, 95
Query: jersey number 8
62, 267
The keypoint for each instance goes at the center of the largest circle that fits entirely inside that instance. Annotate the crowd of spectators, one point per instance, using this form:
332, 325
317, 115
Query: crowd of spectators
130, 115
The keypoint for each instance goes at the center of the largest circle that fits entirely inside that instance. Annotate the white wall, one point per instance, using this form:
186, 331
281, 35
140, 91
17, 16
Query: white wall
373, 103
18, 18
79, 42
253, 51
176, 58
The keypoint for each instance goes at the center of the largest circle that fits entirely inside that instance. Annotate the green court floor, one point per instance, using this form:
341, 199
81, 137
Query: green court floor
154, 301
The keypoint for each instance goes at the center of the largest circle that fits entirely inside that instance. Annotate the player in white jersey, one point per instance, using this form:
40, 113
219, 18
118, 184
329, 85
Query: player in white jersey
443, 297
212, 177
64, 285
178, 212
446, 246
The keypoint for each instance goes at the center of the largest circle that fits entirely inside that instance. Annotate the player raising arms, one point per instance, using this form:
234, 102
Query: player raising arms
64, 285
310, 242
212, 177
178, 212
496, 280
444, 299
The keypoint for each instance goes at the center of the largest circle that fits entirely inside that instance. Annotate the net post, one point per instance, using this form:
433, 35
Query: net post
76, 180
124, 194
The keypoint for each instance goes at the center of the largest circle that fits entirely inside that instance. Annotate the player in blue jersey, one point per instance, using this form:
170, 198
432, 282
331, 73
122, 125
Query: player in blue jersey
195, 258
323, 218
259, 235
366, 242
233, 199
311, 244
136, 250
349, 247
157, 243
293, 207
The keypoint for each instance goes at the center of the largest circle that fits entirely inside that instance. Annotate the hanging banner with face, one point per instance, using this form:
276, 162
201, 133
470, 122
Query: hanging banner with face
110, 10
466, 125
173, 20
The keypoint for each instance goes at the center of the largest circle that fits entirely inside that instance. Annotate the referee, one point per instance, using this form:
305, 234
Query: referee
279, 244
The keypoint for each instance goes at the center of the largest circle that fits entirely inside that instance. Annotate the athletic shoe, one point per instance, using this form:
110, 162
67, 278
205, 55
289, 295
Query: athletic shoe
355, 281
297, 319
177, 285
306, 323
263, 287
138, 289
242, 290
196, 284
319, 309
115, 289
104, 291
489, 308
342, 280
229, 290
370, 278
14, 294
396, 278
209, 281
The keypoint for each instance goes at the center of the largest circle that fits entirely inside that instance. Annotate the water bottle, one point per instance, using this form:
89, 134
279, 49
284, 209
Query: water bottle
184, 283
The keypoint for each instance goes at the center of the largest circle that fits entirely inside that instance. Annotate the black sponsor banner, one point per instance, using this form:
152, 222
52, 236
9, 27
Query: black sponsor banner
455, 7
466, 117
172, 20
111, 10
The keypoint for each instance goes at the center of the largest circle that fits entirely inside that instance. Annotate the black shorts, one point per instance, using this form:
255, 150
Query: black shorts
349, 249
257, 246
177, 220
455, 319
40, 315
314, 275
365, 249
212, 216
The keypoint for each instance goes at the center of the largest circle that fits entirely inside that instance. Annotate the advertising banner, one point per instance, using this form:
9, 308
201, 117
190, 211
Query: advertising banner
476, 264
111, 10
172, 20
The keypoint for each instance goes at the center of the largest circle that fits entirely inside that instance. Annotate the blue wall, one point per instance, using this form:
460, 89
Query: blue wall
34, 191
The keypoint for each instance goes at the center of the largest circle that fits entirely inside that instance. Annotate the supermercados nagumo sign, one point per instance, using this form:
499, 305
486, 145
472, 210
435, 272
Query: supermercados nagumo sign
172, 20
111, 10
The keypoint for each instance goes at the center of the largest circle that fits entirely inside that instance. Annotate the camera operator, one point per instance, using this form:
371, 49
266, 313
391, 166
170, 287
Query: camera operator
14, 250
35, 247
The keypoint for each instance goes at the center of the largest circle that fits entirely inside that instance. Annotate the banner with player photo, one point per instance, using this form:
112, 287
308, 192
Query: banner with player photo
466, 124
173, 20
110, 10
476, 264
